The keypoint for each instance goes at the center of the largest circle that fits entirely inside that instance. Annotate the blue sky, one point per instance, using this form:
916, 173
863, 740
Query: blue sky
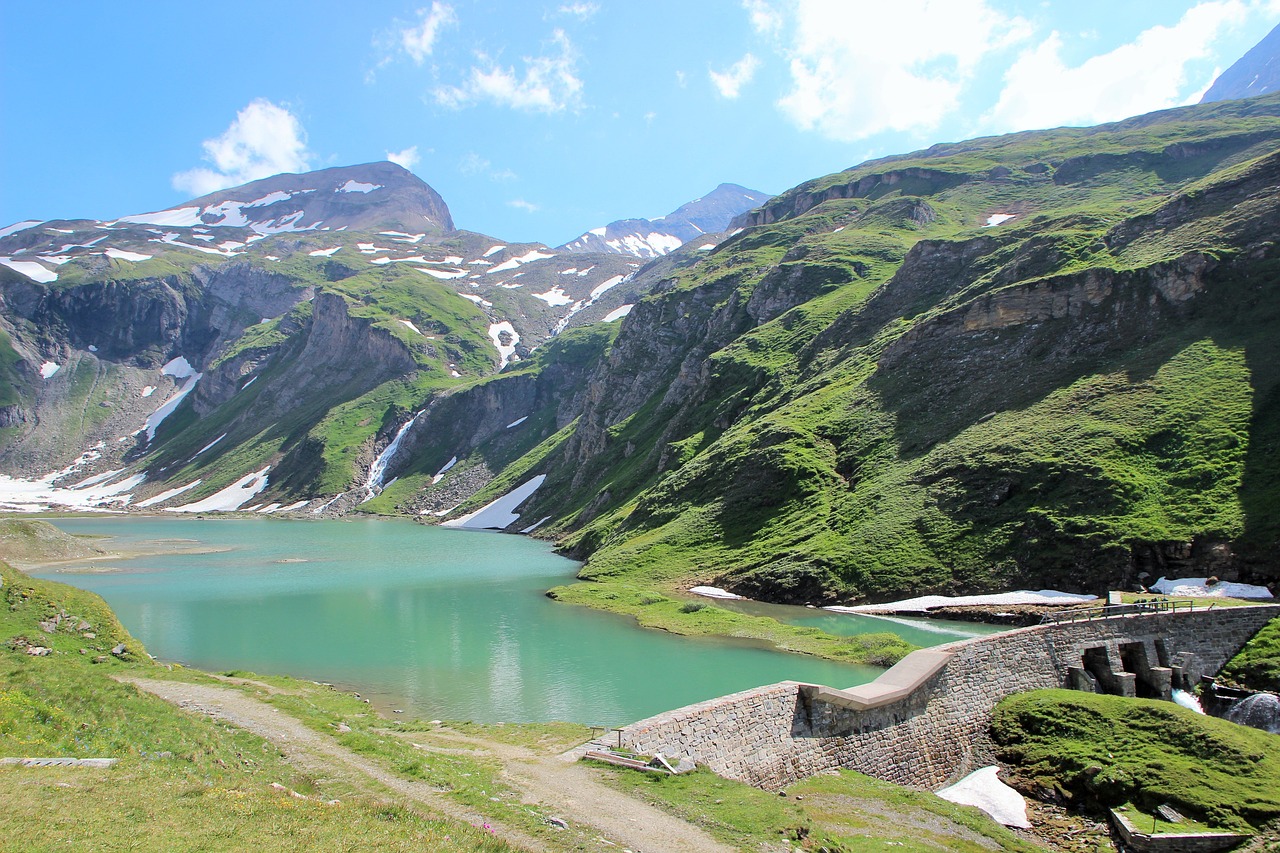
539, 120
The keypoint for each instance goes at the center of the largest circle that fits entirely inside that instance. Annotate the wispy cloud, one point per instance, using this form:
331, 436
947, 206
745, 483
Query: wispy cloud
408, 158
548, 83
729, 82
1042, 90
263, 140
473, 164
521, 204
420, 39
849, 82
580, 10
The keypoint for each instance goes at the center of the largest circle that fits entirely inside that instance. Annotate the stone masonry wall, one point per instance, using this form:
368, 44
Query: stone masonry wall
774, 735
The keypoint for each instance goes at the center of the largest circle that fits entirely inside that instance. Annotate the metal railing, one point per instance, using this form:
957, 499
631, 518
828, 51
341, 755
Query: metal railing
1111, 611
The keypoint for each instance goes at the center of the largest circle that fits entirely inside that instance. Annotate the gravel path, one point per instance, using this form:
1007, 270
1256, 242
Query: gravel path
562, 786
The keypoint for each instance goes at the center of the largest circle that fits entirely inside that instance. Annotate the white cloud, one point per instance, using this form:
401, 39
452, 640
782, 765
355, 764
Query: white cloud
1149, 73
581, 10
729, 83
860, 67
408, 158
264, 140
473, 164
547, 84
418, 41
681, 81
521, 204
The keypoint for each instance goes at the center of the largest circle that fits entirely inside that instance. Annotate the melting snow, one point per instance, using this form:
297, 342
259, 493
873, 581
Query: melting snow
528, 257
39, 495
492, 250
122, 255
324, 253
569, 271
924, 602
517, 423
21, 226
440, 474
358, 187
505, 350
713, 592
401, 237
48, 369
31, 269
500, 513
983, 788
232, 497
997, 218
618, 313
706, 248
1199, 588
555, 297
471, 297
411, 326
599, 289
181, 370
182, 217
444, 273
171, 493
148, 391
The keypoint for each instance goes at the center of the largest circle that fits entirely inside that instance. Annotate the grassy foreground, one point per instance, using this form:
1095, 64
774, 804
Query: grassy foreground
1257, 665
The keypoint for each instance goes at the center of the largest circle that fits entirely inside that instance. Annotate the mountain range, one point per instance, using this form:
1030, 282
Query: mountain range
1043, 359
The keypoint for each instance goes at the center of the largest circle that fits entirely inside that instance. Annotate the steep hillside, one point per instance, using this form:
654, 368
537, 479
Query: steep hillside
1033, 360
1255, 73
270, 338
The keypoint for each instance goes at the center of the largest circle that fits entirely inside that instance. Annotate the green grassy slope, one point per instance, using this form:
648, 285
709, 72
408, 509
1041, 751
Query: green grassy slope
1108, 751
867, 393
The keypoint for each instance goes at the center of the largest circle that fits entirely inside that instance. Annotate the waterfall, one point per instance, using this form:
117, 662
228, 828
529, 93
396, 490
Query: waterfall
1259, 711
373, 485
1187, 700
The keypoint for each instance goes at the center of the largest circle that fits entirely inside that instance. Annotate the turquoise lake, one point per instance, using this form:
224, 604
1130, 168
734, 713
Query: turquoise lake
438, 623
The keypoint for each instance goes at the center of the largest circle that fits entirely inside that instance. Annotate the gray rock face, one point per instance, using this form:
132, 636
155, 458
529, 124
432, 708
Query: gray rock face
1255, 73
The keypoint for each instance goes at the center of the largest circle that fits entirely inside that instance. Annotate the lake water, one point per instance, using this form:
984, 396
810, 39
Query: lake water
441, 623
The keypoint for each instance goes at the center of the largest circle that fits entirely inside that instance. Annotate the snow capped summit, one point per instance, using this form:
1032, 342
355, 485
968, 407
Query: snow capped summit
647, 238
368, 197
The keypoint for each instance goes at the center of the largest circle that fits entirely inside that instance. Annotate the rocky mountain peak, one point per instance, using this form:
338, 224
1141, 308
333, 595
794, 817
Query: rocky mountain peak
367, 197
650, 238
1255, 73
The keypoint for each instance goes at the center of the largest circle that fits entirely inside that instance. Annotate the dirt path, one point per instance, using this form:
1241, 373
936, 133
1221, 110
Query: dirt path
559, 784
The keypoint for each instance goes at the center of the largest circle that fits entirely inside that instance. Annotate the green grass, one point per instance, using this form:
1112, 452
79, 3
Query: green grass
1108, 751
653, 609
844, 812
1257, 665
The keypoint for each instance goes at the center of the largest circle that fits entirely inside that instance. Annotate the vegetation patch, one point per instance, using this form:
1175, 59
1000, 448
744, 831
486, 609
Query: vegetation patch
1108, 751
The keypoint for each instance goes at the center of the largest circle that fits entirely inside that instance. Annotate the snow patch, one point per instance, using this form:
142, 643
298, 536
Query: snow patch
373, 485
471, 297
31, 269
122, 255
444, 273
713, 592
440, 474
555, 297
997, 218
411, 326
48, 369
232, 497
1200, 588
527, 258
171, 493
358, 187
21, 226
517, 422
618, 313
492, 250
209, 445
324, 253
983, 788
182, 371
499, 514
925, 602
507, 350
182, 217
148, 391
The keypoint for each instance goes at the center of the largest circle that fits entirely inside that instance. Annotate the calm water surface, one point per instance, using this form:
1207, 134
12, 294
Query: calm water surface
441, 623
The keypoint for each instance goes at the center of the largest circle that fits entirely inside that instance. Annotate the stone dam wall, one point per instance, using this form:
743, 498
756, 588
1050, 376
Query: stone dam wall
924, 722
